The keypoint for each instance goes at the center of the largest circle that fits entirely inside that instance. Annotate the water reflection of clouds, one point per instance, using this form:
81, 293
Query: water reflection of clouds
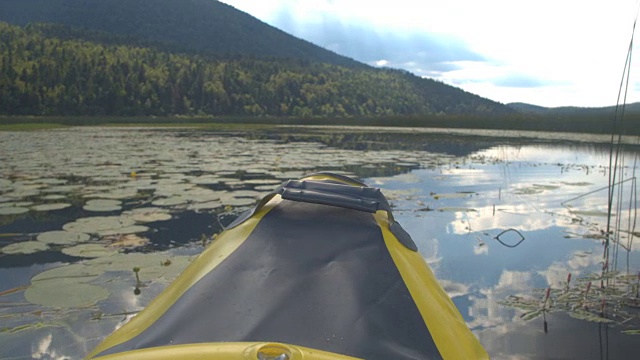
42, 349
485, 310
522, 217
548, 154
558, 242
467, 176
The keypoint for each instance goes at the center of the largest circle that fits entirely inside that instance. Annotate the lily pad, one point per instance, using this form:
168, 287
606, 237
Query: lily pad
125, 262
64, 293
24, 247
149, 214
119, 194
23, 193
62, 189
528, 191
101, 205
79, 272
459, 195
170, 201
263, 182
240, 201
247, 194
50, 207
5, 184
99, 224
167, 272
205, 206
206, 180
456, 209
52, 181
89, 251
132, 229
13, 210
61, 237
591, 213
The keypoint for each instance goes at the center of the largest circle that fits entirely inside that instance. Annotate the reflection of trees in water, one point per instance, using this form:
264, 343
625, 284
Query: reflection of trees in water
441, 143
378, 141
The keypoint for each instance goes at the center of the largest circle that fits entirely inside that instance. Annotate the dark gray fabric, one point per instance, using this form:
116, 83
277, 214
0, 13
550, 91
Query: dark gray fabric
334, 193
310, 275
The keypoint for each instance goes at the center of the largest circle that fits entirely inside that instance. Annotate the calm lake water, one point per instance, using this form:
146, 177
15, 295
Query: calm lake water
499, 220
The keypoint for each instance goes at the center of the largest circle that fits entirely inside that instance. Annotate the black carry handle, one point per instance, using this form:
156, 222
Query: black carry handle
325, 193
360, 198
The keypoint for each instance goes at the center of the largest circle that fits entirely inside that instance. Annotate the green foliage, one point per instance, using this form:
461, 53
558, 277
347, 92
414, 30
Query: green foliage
607, 297
202, 26
48, 70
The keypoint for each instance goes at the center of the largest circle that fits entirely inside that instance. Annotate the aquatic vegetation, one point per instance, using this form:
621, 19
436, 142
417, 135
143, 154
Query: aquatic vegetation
178, 199
128, 241
105, 225
24, 247
458, 195
148, 214
89, 251
101, 205
62, 237
50, 207
73, 286
78, 271
611, 297
13, 210
64, 293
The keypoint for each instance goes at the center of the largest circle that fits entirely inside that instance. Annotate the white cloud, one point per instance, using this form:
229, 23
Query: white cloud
545, 52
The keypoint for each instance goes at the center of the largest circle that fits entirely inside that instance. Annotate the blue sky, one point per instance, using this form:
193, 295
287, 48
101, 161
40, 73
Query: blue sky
542, 52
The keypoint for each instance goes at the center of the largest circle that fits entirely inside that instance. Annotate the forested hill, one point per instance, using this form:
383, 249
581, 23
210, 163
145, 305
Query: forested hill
203, 26
573, 111
47, 70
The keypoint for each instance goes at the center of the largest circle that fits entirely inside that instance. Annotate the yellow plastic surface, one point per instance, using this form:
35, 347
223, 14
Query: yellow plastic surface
225, 351
447, 327
224, 245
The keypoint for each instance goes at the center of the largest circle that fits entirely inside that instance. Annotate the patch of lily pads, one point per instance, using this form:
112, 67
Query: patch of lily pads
75, 285
105, 225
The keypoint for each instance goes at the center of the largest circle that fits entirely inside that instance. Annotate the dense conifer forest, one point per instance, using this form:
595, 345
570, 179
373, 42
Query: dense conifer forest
50, 70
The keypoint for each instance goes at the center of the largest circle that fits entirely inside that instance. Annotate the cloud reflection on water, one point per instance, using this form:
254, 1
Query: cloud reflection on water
522, 188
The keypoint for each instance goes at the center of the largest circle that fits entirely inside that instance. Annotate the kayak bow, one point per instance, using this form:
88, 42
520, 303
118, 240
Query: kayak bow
319, 269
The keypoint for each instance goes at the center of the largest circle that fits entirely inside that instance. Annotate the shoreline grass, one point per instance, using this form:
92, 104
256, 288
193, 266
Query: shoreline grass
31, 126
568, 124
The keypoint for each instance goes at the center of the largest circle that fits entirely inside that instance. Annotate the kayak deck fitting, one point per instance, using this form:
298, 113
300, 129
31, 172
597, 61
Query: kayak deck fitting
319, 269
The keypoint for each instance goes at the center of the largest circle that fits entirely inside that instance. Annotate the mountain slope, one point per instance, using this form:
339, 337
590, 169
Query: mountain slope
193, 57
565, 111
191, 25
45, 71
